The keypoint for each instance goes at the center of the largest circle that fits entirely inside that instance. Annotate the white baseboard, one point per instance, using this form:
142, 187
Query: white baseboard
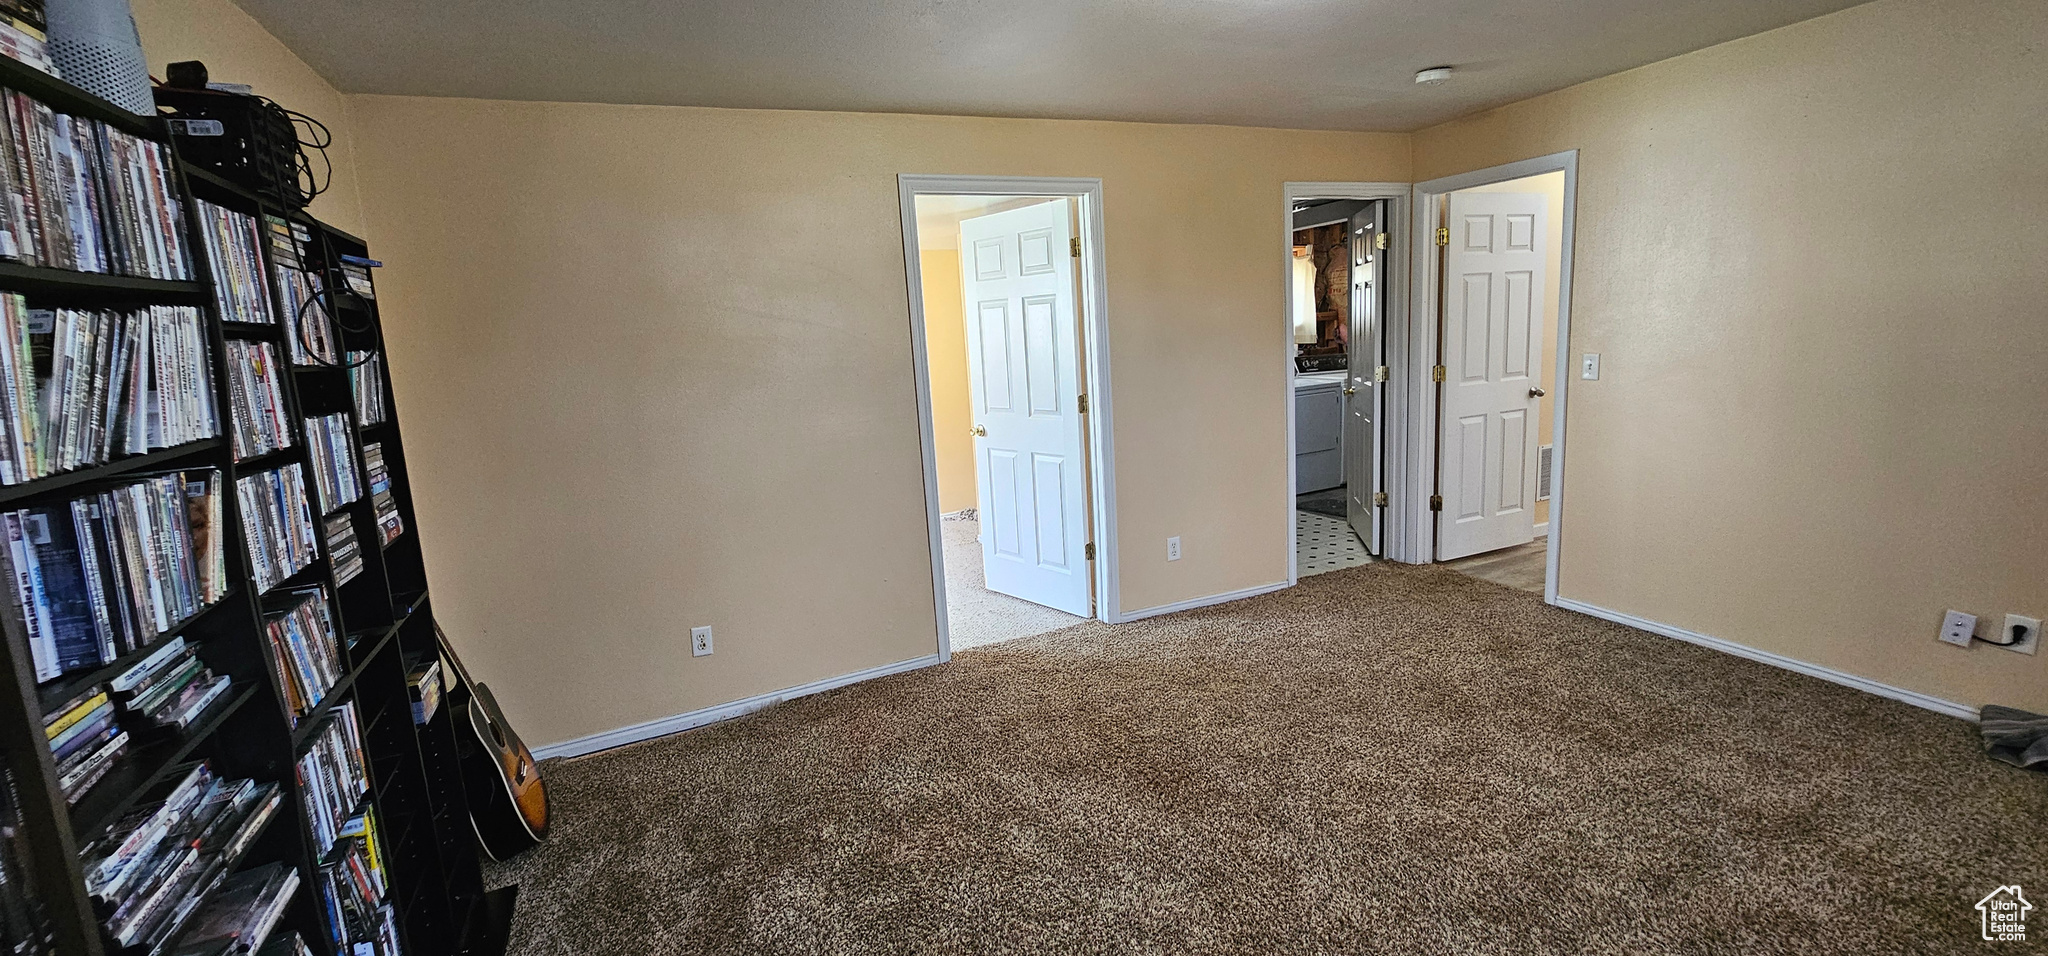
1543, 529
664, 726
1192, 603
1917, 699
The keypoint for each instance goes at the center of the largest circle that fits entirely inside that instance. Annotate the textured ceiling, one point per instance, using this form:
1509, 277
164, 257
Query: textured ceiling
1314, 64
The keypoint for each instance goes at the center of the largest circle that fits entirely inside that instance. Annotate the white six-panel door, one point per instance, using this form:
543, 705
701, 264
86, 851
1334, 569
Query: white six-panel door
1492, 346
1023, 366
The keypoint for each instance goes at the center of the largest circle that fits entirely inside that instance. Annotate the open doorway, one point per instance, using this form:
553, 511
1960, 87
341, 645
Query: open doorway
1499, 293
1000, 292
1339, 295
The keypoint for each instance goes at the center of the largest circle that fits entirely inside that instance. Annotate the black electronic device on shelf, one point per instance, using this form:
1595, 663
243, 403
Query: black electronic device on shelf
194, 757
245, 138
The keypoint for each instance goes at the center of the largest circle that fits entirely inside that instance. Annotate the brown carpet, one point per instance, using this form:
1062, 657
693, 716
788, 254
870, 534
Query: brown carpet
1382, 760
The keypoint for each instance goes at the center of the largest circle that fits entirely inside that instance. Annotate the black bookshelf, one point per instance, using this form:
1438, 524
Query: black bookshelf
381, 614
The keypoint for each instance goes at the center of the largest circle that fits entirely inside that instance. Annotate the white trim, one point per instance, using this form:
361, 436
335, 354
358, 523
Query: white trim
1422, 432
664, 726
1192, 603
1542, 529
1395, 320
1917, 699
1095, 340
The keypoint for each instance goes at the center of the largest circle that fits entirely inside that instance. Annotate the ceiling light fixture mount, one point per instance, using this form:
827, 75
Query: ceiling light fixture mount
1433, 75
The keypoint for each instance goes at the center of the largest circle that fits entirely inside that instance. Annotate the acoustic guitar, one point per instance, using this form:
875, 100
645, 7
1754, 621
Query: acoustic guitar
508, 804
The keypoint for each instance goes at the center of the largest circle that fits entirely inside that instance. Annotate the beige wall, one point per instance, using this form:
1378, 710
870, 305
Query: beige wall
945, 344
1551, 186
1813, 260
654, 368
236, 49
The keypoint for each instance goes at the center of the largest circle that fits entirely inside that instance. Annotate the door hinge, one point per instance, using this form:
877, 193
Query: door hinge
1074, 246
1082, 402
1379, 241
1088, 551
1379, 498
1381, 373
1439, 373
1436, 502
1443, 236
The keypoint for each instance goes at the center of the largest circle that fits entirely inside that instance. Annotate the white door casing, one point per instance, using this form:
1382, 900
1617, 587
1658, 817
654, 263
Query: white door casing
1492, 346
1365, 399
1024, 356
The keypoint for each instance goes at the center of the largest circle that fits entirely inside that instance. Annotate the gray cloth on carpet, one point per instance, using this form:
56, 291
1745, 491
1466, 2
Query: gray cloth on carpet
2015, 736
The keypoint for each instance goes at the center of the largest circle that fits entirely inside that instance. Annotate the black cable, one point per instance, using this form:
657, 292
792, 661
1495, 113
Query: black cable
2019, 636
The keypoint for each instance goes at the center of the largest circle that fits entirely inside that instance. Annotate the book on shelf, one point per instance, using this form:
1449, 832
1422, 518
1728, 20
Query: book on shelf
355, 270
304, 650
389, 524
80, 387
332, 443
243, 911
24, 922
343, 551
106, 574
256, 399
333, 777
423, 685
277, 523
234, 248
309, 329
169, 690
152, 870
366, 381
78, 194
24, 34
85, 738
355, 889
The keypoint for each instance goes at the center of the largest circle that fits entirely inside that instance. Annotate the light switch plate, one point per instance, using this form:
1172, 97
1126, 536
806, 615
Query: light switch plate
1957, 628
1589, 367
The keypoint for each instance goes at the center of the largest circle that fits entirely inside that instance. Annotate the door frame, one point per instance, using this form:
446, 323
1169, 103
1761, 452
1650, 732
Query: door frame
1421, 427
1094, 305
1394, 325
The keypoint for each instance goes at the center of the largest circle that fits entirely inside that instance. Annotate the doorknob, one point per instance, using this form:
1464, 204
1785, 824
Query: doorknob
1537, 393
1350, 389
980, 432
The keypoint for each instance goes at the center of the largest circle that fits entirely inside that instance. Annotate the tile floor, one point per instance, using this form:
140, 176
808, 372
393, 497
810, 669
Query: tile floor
1323, 543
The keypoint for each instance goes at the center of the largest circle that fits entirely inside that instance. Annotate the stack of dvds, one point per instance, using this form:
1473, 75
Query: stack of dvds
389, 524
234, 245
423, 685
24, 34
304, 651
309, 330
156, 866
78, 387
79, 194
333, 446
355, 888
107, 574
240, 915
256, 399
333, 777
24, 923
170, 688
277, 523
366, 379
355, 270
85, 738
342, 550
289, 944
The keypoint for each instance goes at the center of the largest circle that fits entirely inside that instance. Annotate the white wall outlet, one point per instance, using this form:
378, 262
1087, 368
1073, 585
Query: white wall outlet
2022, 634
700, 641
1173, 549
1957, 628
1589, 367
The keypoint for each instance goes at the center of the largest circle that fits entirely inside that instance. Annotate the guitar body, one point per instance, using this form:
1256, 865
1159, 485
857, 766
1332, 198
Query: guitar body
508, 803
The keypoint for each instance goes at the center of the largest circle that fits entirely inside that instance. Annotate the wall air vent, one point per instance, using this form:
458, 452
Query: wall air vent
1543, 473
